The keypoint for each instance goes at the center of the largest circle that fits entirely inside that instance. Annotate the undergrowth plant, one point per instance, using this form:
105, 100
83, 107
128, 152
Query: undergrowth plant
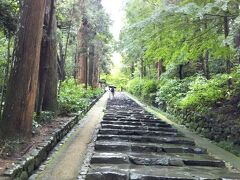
73, 97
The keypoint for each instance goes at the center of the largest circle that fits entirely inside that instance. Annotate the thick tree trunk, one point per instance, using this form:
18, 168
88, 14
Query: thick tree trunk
50, 95
48, 59
81, 66
22, 86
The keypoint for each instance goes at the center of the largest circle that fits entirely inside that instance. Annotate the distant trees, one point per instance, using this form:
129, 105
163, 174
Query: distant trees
181, 33
93, 37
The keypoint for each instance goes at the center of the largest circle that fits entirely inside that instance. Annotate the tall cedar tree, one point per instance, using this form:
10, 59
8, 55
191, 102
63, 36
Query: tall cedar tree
47, 97
22, 85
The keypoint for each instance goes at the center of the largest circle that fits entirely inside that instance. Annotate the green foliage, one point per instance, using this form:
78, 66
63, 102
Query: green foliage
9, 16
74, 97
204, 93
149, 90
135, 86
230, 146
171, 91
119, 80
44, 116
144, 88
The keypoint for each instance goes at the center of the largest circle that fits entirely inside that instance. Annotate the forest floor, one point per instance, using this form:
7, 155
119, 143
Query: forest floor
11, 151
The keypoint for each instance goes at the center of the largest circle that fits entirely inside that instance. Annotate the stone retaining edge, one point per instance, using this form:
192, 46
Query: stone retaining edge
24, 167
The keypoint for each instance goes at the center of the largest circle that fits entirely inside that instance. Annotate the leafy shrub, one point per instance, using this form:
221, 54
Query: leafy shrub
171, 91
135, 86
149, 90
204, 93
44, 116
74, 97
144, 88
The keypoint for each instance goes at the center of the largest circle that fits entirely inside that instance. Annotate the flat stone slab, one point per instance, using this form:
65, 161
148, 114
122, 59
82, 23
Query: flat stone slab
140, 172
146, 147
139, 133
147, 139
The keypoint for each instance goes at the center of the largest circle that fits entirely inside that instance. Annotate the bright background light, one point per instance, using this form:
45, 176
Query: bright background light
115, 8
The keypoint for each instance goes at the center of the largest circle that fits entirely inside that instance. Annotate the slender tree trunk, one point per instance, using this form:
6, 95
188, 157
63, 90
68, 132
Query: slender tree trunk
132, 70
141, 69
206, 65
90, 65
181, 71
61, 63
22, 86
159, 68
96, 65
144, 71
48, 51
226, 33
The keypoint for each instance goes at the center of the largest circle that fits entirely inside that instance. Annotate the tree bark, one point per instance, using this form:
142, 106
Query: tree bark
97, 57
181, 71
159, 68
226, 33
61, 64
90, 65
22, 86
132, 70
50, 95
81, 66
206, 65
141, 69
48, 62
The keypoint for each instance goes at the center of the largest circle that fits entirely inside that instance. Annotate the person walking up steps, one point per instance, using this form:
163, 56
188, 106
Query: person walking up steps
112, 90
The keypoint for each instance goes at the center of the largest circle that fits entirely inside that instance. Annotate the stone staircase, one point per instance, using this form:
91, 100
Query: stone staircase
132, 144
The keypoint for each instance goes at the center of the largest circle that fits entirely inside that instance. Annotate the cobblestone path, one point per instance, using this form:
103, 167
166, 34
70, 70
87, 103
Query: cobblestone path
132, 144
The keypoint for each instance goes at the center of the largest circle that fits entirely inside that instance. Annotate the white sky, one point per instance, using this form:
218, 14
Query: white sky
115, 8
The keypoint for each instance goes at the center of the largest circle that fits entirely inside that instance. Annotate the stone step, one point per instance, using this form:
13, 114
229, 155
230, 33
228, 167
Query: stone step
133, 144
141, 172
109, 146
133, 120
138, 133
132, 127
135, 123
147, 139
153, 160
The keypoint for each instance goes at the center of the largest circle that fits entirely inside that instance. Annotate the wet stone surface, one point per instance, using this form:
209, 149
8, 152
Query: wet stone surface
132, 144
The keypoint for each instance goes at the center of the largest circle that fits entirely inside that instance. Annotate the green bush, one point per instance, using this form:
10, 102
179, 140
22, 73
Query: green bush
144, 88
171, 91
135, 86
74, 97
204, 93
149, 90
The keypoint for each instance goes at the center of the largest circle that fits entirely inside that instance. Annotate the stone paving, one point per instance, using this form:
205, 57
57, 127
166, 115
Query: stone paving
132, 144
